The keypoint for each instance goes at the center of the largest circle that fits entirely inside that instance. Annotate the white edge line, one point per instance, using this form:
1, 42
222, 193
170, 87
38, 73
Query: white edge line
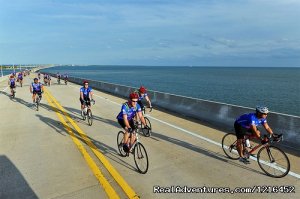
204, 138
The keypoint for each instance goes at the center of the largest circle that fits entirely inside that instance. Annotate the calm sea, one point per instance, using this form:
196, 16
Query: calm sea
278, 88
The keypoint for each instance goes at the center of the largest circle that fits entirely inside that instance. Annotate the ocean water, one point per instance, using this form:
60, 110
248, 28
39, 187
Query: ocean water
277, 88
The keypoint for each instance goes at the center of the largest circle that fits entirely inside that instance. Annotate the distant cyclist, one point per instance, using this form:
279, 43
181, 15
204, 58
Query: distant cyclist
58, 77
86, 95
143, 94
247, 124
66, 78
125, 118
39, 75
20, 78
36, 88
12, 83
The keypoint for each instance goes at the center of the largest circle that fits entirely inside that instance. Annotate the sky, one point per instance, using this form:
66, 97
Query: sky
151, 32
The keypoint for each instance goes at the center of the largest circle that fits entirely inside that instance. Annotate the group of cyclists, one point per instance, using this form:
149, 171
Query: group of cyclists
132, 109
16, 77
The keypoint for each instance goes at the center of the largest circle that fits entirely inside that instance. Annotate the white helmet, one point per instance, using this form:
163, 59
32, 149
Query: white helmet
262, 109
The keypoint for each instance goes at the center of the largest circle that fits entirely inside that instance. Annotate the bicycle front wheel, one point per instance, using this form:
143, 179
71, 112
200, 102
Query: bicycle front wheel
273, 161
141, 158
229, 146
90, 117
146, 131
120, 141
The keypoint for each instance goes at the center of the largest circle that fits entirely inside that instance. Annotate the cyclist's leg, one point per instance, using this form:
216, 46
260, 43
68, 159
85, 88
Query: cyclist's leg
81, 102
240, 136
33, 96
132, 140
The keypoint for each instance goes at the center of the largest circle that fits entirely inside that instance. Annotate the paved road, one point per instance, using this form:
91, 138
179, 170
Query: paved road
46, 154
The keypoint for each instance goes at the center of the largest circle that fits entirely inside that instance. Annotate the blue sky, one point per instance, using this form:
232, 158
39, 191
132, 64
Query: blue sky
145, 32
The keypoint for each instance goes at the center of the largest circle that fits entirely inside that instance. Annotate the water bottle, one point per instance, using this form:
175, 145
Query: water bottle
248, 143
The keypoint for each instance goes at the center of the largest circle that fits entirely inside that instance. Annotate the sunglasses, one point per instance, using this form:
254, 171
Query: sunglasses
86, 84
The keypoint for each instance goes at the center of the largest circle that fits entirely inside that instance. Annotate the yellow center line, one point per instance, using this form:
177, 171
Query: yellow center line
114, 173
111, 193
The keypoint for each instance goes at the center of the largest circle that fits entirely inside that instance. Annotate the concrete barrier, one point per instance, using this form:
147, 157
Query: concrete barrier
215, 113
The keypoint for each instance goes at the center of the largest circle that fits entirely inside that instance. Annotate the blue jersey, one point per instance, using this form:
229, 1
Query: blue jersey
142, 96
247, 120
20, 76
86, 91
12, 81
129, 111
36, 87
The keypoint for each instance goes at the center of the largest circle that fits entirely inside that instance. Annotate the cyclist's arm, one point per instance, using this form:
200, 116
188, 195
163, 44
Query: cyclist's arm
255, 130
126, 121
141, 117
81, 95
42, 88
268, 129
148, 100
30, 89
91, 94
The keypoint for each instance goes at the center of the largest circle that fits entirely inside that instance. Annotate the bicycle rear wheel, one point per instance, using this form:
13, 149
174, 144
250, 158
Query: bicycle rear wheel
37, 102
146, 131
90, 117
141, 158
273, 161
229, 146
120, 142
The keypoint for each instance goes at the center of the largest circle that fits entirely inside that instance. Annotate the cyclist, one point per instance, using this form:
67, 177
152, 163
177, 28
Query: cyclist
66, 78
39, 75
20, 78
247, 124
12, 83
142, 92
86, 95
58, 77
125, 119
36, 88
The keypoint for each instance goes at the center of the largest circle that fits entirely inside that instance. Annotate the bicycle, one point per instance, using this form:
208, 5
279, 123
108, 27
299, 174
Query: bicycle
58, 80
66, 81
139, 152
87, 113
270, 159
141, 127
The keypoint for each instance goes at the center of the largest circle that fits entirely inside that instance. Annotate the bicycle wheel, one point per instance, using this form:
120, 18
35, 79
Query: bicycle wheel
120, 142
90, 117
141, 158
146, 131
273, 161
229, 146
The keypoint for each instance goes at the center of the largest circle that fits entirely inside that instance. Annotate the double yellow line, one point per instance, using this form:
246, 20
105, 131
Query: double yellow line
111, 193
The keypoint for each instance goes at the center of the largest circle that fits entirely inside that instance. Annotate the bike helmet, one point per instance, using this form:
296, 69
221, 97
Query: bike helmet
35, 79
133, 96
11, 76
85, 81
142, 89
262, 109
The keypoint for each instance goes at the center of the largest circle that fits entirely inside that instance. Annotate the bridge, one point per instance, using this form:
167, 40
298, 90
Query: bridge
53, 153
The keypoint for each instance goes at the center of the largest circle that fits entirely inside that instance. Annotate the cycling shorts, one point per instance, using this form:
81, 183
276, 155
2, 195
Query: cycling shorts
131, 124
12, 86
37, 92
87, 99
141, 104
241, 131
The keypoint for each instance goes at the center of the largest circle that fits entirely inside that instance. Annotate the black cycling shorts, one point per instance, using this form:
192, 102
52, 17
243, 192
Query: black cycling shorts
87, 99
122, 123
141, 104
12, 86
241, 131
37, 92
